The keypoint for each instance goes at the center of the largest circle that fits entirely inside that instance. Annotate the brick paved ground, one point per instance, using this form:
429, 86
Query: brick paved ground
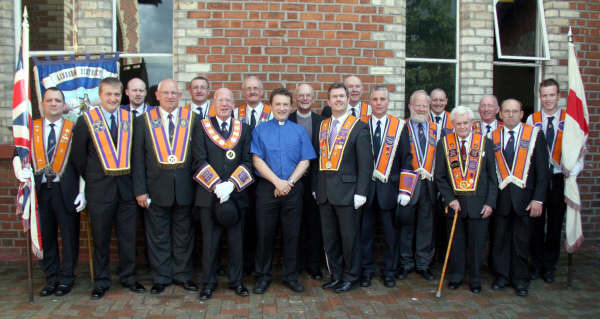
411, 298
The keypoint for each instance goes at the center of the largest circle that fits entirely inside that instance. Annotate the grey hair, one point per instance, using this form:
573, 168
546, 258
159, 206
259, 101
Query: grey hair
419, 92
461, 110
380, 88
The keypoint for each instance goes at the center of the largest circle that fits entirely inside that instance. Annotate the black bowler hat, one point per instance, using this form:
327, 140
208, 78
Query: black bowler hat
227, 213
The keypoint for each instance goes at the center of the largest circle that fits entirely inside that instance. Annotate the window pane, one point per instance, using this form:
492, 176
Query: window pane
515, 82
145, 26
151, 70
431, 28
517, 26
428, 76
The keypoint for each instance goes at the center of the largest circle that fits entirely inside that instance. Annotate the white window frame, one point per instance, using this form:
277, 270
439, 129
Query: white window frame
455, 61
541, 37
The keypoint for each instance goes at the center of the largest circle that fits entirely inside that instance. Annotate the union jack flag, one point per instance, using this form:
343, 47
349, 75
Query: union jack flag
22, 122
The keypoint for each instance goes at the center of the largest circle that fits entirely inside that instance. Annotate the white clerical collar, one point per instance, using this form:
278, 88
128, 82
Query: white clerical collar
302, 115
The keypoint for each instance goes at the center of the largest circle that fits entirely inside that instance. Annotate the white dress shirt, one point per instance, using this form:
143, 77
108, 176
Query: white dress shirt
201, 109
164, 116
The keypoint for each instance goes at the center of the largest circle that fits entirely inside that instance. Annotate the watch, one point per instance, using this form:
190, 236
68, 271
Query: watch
291, 181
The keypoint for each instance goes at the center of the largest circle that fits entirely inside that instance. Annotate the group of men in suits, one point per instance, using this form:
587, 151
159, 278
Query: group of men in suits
326, 179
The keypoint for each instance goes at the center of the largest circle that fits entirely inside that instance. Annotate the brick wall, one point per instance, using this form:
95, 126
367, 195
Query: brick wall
46, 21
7, 69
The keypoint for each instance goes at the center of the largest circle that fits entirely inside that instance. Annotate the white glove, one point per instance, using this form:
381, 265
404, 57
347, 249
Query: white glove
403, 199
224, 189
314, 195
359, 200
148, 200
22, 174
80, 202
224, 199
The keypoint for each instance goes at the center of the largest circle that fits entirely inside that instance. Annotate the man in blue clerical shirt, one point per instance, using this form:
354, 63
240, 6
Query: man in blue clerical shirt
281, 151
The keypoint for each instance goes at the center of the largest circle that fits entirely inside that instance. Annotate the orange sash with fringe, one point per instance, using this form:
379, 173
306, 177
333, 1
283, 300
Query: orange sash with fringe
58, 162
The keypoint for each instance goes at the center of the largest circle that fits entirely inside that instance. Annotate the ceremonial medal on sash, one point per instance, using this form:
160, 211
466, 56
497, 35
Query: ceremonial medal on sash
517, 174
114, 160
385, 157
330, 156
464, 179
170, 154
230, 154
55, 165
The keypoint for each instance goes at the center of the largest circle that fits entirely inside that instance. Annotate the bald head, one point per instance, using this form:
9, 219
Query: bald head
136, 91
223, 103
439, 100
488, 108
305, 96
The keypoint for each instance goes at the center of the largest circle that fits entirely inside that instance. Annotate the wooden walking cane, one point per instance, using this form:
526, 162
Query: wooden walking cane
439, 290
88, 230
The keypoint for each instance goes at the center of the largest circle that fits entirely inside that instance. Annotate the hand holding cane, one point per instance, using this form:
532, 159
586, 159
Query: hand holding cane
438, 294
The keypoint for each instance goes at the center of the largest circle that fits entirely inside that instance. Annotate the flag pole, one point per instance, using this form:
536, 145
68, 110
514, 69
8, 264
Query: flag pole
25, 61
570, 255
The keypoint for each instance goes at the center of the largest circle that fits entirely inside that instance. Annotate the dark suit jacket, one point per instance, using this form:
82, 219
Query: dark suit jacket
487, 186
128, 107
354, 174
204, 150
326, 111
99, 187
307, 179
164, 186
387, 193
535, 188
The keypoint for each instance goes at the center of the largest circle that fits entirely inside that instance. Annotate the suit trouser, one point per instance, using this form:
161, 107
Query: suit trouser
310, 249
467, 248
545, 243
440, 234
250, 230
511, 248
367, 237
170, 237
341, 238
269, 211
420, 233
211, 238
53, 215
123, 214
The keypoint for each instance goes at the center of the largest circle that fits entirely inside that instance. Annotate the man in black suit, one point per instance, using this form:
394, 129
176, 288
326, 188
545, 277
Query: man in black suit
222, 162
100, 153
471, 194
343, 181
310, 252
136, 92
522, 192
162, 176
60, 192
391, 153
416, 232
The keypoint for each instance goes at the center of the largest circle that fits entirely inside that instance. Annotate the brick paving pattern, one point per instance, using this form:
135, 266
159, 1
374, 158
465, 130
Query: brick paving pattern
411, 298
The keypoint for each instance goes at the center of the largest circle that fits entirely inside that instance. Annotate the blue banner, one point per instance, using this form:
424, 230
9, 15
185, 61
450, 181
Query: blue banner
78, 79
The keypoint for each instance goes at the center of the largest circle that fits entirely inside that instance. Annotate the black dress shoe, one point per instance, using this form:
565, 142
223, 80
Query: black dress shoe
476, 289
294, 285
261, 287
48, 290
98, 293
135, 287
454, 285
316, 276
187, 285
549, 277
389, 281
206, 292
499, 284
333, 284
521, 292
403, 273
425, 273
344, 287
241, 291
365, 281
62, 290
157, 288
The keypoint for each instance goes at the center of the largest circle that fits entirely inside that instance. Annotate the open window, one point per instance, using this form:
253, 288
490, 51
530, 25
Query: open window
520, 30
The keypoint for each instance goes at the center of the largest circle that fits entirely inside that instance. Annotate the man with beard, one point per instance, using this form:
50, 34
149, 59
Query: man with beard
355, 106
136, 92
310, 251
418, 194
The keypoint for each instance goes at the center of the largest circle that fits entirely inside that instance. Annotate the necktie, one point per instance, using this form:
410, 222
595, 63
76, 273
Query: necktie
509, 149
114, 133
550, 133
333, 133
353, 112
253, 119
171, 128
377, 139
437, 119
201, 112
224, 131
489, 128
463, 153
51, 142
421, 139
135, 113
